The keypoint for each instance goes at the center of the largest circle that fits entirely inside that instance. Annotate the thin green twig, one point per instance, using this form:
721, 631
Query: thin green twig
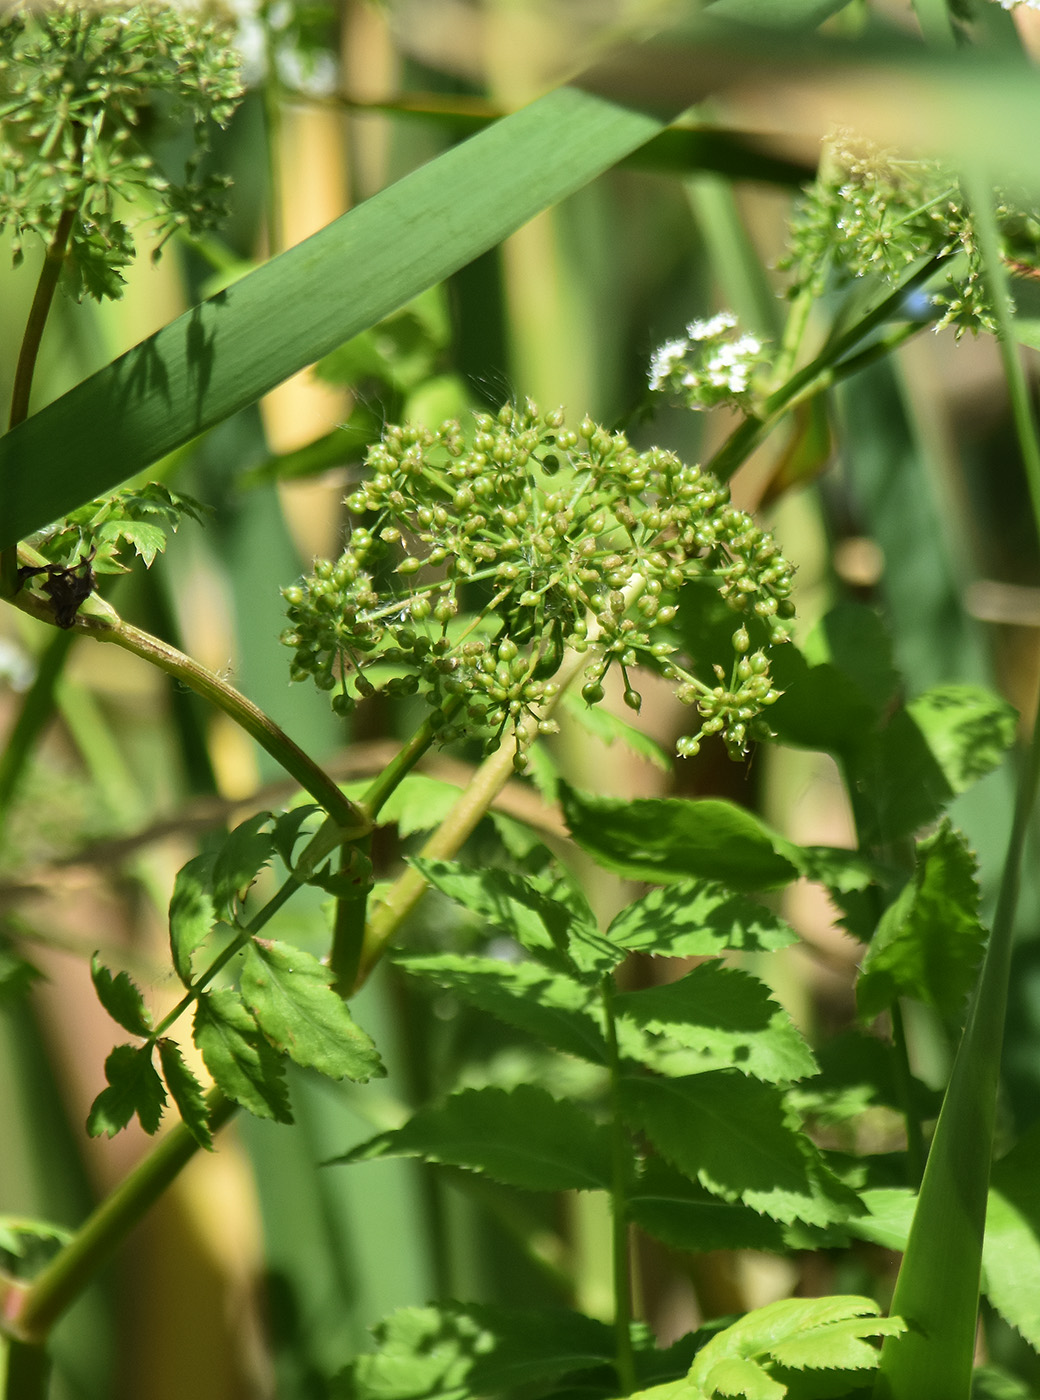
826, 369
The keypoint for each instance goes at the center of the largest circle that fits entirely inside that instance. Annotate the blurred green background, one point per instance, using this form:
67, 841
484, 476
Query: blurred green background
258, 1261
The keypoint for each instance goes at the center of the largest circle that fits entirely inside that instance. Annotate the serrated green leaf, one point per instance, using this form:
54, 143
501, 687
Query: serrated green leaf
668, 839
1011, 1251
418, 803
853, 639
551, 929
864, 1067
240, 859
133, 1087
819, 706
935, 747
186, 1092
698, 918
459, 1350
289, 993
192, 913
287, 830
898, 784
610, 728
731, 1134
121, 997
521, 1137
929, 943
822, 1333
735, 1375
967, 728
685, 1216
555, 1010
888, 1215
242, 1063
147, 539
725, 1017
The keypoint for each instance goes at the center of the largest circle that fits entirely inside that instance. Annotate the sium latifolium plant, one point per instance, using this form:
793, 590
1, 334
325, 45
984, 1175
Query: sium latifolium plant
493, 565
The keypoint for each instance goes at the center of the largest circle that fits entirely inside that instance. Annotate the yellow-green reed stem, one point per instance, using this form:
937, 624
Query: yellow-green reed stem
620, 1171
915, 1146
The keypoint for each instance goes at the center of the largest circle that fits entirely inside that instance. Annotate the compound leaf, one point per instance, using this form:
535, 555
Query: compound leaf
242, 1063
556, 1010
683, 1215
713, 1018
121, 997
663, 840
460, 1350
241, 858
289, 993
192, 913
731, 1135
522, 1137
929, 942
186, 1092
547, 926
133, 1087
698, 918
795, 1333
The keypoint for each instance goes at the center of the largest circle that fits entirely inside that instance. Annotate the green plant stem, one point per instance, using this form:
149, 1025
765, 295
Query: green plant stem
100, 621
406, 891
915, 1148
622, 1259
826, 369
488, 781
402, 763
46, 285
41, 1304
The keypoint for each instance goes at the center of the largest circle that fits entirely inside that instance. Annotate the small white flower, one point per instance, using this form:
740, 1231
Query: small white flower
710, 330
666, 359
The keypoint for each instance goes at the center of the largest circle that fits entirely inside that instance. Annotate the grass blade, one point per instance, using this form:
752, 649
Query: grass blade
233, 348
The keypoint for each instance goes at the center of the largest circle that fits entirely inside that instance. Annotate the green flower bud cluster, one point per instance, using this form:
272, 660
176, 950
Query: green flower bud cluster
80, 86
871, 212
484, 557
733, 710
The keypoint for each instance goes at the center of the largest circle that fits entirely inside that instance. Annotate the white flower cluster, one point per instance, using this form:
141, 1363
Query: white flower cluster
708, 366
